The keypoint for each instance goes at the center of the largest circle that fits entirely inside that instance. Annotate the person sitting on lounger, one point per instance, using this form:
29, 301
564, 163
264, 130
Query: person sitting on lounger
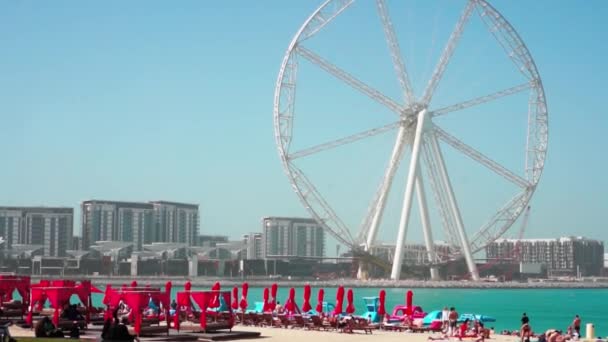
5, 334
46, 328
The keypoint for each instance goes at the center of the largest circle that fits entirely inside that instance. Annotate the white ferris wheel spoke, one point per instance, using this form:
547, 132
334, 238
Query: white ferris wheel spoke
481, 158
481, 99
447, 53
343, 141
349, 79
393, 45
327, 12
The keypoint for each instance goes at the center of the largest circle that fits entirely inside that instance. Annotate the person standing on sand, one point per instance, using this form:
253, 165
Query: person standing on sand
524, 319
453, 317
576, 324
445, 319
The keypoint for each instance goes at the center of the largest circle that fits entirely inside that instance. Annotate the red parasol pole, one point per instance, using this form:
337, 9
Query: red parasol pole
235, 298
350, 308
409, 300
381, 300
273, 296
266, 296
243, 303
339, 300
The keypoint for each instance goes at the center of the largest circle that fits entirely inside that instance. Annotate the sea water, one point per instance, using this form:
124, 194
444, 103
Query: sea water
547, 308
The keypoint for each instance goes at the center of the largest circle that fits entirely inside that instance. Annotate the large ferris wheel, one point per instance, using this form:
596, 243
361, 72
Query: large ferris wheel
418, 135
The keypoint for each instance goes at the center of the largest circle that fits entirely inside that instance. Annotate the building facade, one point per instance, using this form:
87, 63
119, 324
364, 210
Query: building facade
116, 221
175, 222
567, 256
290, 237
51, 228
211, 240
255, 246
413, 254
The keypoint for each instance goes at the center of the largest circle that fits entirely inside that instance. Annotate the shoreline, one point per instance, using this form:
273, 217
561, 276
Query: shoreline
353, 283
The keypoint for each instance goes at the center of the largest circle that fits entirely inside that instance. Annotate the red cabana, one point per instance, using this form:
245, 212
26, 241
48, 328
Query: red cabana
209, 320
339, 300
58, 293
320, 296
306, 303
350, 308
9, 284
138, 299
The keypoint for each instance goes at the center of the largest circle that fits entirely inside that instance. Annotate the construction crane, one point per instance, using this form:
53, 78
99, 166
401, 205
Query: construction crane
514, 253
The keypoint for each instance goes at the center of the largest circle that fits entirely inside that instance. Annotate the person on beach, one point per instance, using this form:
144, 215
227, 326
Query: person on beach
445, 319
5, 335
462, 331
576, 324
525, 332
46, 328
524, 319
453, 318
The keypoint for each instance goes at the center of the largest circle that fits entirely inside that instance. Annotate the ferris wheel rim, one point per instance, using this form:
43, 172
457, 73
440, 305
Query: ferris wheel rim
327, 218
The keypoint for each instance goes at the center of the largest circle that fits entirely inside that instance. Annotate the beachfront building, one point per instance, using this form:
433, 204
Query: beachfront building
565, 256
211, 240
47, 227
116, 221
175, 222
255, 246
292, 237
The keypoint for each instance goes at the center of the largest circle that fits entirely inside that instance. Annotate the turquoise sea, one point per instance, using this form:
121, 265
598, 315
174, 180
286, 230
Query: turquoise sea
547, 308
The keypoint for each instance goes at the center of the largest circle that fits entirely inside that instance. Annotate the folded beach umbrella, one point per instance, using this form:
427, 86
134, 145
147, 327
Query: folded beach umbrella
291, 300
273, 296
350, 308
409, 301
266, 297
381, 300
215, 297
235, 298
320, 301
306, 303
243, 303
339, 300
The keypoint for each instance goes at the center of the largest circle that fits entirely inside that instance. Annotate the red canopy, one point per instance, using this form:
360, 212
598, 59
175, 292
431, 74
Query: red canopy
350, 308
10, 283
202, 299
339, 300
306, 303
381, 299
243, 303
58, 293
320, 300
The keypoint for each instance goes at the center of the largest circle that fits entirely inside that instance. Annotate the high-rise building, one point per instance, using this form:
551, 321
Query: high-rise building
51, 228
116, 221
569, 256
175, 222
255, 246
291, 237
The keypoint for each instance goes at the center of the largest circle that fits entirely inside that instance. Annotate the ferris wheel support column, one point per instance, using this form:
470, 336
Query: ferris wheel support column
407, 200
426, 225
386, 186
462, 234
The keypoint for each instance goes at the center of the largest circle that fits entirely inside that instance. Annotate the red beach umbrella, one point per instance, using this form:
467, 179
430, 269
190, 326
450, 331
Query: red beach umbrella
339, 300
291, 301
306, 303
350, 308
266, 296
134, 283
409, 299
243, 303
235, 298
320, 301
381, 300
273, 296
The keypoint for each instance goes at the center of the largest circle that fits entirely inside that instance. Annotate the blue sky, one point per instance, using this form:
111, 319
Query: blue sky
146, 100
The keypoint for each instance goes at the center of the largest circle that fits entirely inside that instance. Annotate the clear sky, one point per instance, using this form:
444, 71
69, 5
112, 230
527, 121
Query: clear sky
147, 100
